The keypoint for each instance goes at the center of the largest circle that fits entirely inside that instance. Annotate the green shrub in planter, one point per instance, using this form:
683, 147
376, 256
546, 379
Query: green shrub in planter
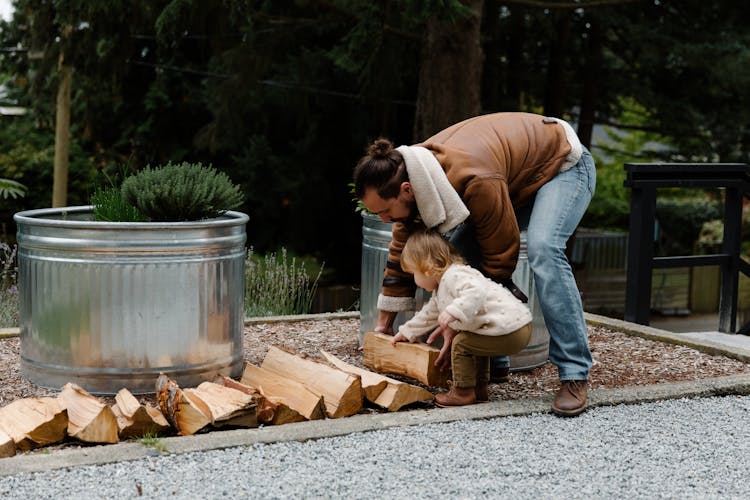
110, 207
181, 192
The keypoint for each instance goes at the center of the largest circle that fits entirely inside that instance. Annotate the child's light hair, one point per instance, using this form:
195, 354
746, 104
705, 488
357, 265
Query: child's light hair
428, 253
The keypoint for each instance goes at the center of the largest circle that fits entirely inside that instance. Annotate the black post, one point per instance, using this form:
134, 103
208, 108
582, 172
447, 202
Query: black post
729, 269
640, 255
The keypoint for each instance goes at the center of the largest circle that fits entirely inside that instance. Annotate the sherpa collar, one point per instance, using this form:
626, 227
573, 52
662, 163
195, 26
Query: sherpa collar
437, 201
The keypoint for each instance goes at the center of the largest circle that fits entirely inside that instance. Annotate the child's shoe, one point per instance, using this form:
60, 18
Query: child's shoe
457, 396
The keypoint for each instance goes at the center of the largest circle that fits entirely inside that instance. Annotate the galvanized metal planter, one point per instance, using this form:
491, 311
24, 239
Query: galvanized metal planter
109, 305
376, 237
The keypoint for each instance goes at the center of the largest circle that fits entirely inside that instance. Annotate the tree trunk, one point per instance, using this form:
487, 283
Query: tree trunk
555, 86
450, 72
62, 135
591, 76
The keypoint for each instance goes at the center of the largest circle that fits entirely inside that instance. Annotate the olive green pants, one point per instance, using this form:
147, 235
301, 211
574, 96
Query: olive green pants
470, 353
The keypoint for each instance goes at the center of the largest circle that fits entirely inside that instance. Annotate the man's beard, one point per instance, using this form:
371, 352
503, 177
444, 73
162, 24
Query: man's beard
413, 213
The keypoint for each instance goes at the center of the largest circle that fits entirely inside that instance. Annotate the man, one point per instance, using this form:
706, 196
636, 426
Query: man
480, 182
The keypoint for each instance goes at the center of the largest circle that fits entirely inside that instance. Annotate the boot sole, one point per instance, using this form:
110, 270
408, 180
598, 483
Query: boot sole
569, 413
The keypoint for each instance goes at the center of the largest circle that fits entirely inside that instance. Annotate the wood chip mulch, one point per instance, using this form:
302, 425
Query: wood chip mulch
620, 360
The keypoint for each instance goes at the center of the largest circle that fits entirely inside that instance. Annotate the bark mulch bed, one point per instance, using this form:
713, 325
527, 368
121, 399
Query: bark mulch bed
620, 360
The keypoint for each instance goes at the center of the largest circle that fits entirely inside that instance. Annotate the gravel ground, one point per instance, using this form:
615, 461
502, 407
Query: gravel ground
676, 449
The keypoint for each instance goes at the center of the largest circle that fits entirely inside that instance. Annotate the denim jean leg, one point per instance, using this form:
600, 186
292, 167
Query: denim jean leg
558, 208
464, 239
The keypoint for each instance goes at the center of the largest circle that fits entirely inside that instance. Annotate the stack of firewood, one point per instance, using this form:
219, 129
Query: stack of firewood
285, 388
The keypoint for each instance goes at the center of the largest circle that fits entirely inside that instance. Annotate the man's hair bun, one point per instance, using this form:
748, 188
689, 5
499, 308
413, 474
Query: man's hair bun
380, 148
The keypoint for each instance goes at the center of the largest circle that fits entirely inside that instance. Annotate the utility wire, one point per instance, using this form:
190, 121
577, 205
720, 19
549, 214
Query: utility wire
269, 83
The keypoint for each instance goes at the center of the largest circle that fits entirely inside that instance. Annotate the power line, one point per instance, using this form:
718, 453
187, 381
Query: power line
269, 83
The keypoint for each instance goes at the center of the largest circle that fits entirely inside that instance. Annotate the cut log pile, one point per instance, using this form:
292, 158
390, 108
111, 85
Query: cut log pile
285, 388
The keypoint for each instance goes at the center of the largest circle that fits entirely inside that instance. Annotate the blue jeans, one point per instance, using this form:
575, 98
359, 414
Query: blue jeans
549, 220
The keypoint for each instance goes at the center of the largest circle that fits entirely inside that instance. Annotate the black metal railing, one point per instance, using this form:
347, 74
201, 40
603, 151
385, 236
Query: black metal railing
644, 179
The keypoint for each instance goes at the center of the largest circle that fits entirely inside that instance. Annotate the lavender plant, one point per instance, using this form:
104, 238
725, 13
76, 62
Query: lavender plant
8, 286
276, 285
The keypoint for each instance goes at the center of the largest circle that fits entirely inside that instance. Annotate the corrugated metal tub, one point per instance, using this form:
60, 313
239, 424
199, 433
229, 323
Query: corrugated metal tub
376, 237
109, 305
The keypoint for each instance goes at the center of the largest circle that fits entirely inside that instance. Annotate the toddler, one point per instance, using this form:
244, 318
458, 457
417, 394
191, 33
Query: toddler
477, 317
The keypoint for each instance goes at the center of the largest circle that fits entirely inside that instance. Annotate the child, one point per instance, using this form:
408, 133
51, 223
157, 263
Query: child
490, 321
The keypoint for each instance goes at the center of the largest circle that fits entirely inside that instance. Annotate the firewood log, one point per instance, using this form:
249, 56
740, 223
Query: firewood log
227, 406
135, 419
34, 422
413, 360
186, 415
7, 445
89, 419
341, 391
265, 410
372, 383
383, 391
295, 401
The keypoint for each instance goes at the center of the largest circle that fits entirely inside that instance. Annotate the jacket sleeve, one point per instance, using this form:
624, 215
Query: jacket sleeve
398, 286
423, 322
468, 293
494, 219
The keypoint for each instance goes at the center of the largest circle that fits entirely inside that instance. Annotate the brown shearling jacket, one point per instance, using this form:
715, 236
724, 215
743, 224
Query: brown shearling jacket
496, 163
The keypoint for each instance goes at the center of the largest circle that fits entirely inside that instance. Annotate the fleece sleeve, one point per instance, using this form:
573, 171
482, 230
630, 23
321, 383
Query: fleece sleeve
423, 322
468, 292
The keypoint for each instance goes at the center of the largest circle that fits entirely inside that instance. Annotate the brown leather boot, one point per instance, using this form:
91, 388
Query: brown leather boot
571, 399
481, 392
457, 396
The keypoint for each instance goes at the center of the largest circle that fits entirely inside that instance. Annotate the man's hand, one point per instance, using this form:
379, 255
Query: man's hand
384, 323
443, 360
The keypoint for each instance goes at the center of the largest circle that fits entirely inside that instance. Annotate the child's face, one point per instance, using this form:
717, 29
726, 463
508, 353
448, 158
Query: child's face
423, 281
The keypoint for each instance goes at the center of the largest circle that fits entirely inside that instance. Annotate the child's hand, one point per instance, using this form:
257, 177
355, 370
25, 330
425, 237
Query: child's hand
445, 318
399, 337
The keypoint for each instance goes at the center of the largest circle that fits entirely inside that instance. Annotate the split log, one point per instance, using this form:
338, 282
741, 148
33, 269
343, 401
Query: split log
7, 445
185, 414
413, 360
383, 391
295, 401
226, 406
372, 383
34, 422
341, 391
135, 419
265, 409
89, 419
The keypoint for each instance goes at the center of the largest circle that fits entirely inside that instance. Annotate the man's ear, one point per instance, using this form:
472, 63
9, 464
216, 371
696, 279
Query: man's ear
407, 191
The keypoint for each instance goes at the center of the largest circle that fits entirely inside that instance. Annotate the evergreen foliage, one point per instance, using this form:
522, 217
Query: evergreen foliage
110, 207
181, 192
285, 95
